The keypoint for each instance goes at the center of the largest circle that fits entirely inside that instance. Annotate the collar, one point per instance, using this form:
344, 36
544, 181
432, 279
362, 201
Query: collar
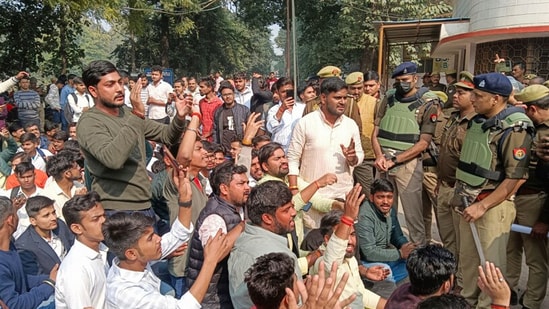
131, 275
88, 252
255, 230
545, 123
379, 213
323, 118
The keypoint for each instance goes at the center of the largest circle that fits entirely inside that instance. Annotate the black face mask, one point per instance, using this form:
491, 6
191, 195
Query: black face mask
403, 87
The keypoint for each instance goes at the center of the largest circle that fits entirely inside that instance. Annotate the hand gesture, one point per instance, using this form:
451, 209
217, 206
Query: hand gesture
374, 273
542, 148
253, 125
182, 182
217, 248
288, 103
21, 75
135, 99
492, 283
353, 200
183, 105
81, 191
53, 272
4, 132
326, 180
179, 251
406, 249
539, 230
350, 153
19, 201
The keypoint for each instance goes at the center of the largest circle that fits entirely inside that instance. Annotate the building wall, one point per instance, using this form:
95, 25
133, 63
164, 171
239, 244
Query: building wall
496, 14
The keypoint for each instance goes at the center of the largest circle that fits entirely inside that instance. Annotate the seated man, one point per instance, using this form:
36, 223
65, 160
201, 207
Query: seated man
18, 290
432, 270
339, 235
131, 282
381, 239
45, 243
272, 284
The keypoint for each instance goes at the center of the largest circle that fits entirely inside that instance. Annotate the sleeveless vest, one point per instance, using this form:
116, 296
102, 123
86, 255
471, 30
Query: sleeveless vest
477, 162
217, 295
399, 128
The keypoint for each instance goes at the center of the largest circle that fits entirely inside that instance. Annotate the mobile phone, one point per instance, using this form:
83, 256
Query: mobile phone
170, 156
290, 93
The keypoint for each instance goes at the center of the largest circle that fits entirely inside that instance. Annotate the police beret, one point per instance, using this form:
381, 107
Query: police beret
329, 71
532, 93
495, 83
441, 95
354, 78
465, 80
404, 69
451, 72
435, 73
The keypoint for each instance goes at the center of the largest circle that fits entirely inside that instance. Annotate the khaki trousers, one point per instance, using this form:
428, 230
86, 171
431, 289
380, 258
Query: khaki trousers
493, 229
528, 209
448, 223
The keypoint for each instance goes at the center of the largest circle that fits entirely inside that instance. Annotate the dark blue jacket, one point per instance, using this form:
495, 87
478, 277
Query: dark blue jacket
16, 289
37, 256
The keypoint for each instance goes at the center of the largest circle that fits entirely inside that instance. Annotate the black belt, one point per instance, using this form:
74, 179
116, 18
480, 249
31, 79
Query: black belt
473, 168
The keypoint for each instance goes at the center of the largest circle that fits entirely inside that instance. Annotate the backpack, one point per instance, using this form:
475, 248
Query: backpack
68, 112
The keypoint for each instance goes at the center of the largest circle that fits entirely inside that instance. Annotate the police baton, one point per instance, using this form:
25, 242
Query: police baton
474, 230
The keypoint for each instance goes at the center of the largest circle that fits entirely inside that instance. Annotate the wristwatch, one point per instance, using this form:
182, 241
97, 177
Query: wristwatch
394, 160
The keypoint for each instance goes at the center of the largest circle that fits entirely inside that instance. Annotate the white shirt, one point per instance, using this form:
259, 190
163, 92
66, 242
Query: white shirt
54, 192
24, 220
83, 100
196, 95
212, 224
244, 97
160, 92
37, 160
56, 245
127, 95
315, 149
135, 289
81, 280
282, 130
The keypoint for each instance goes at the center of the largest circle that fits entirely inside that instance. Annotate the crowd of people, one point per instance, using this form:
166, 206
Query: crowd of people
267, 193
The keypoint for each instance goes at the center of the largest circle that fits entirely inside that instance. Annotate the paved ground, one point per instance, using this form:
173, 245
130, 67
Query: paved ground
523, 276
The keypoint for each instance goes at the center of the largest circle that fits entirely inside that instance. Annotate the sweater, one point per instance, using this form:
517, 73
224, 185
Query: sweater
16, 289
114, 149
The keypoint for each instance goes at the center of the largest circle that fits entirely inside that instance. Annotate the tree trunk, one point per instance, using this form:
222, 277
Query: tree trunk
164, 41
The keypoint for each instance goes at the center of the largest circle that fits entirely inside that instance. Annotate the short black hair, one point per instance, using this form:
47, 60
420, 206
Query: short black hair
381, 185
50, 125
156, 68
445, 301
429, 267
329, 222
123, 230
260, 138
268, 278
79, 81
61, 136
59, 164
267, 151
371, 75
332, 84
78, 203
266, 198
283, 81
95, 70
223, 174
23, 167
208, 81
6, 209
225, 85
28, 137
37, 203
542, 103
14, 126
240, 75
72, 145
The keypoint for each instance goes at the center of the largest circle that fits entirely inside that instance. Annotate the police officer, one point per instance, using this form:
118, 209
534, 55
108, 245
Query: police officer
435, 83
404, 126
453, 133
493, 163
530, 200
451, 80
363, 173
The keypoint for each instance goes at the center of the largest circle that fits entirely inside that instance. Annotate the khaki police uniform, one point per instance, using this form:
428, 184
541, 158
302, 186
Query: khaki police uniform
366, 104
492, 152
529, 201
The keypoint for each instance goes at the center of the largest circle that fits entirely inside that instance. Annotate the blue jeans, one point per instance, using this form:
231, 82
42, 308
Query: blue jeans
56, 116
180, 285
397, 269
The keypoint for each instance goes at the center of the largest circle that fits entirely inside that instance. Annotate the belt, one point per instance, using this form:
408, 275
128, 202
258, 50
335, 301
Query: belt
483, 194
527, 191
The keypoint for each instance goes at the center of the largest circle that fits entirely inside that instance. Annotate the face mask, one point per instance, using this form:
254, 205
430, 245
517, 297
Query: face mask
404, 87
